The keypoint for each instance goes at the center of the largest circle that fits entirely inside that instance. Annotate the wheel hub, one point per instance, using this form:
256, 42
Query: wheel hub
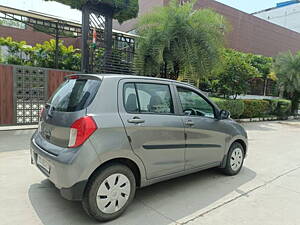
113, 193
236, 159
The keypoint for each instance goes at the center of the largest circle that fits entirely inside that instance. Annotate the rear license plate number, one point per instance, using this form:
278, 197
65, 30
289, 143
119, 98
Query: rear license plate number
43, 163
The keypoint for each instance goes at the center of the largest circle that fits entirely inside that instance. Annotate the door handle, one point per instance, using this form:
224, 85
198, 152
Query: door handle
136, 120
189, 123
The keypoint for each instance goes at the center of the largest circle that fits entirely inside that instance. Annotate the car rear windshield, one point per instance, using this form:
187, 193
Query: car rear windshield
74, 95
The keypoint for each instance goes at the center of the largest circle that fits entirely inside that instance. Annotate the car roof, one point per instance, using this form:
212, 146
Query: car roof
122, 76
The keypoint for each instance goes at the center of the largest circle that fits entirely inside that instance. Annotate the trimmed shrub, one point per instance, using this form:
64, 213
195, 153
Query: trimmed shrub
272, 106
283, 109
255, 108
251, 108
235, 107
279, 107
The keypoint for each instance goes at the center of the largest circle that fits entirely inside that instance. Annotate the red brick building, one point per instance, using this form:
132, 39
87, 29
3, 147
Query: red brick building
249, 33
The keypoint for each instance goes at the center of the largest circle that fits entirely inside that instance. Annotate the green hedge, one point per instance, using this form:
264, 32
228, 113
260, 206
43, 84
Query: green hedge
235, 107
280, 107
255, 108
251, 108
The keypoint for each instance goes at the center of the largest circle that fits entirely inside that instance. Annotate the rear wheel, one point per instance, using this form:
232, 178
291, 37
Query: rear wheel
235, 159
109, 192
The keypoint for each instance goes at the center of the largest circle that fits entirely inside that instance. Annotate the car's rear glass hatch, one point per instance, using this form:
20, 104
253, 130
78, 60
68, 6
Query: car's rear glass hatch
67, 105
74, 94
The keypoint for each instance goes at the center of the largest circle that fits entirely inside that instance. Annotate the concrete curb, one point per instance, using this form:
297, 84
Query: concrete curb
23, 127
270, 118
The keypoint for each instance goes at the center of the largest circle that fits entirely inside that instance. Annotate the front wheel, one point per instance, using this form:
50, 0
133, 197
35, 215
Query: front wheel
109, 192
235, 159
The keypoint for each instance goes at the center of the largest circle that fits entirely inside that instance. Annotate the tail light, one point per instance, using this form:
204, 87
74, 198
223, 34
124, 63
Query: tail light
81, 130
42, 111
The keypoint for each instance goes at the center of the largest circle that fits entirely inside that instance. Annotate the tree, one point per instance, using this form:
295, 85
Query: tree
122, 9
287, 69
178, 40
232, 79
41, 55
264, 66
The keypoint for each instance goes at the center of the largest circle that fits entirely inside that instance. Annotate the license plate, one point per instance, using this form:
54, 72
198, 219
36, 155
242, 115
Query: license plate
43, 163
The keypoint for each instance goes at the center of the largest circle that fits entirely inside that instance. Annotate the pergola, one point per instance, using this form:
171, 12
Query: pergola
122, 43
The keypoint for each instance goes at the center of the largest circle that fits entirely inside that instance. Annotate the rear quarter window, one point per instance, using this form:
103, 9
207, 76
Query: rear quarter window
74, 95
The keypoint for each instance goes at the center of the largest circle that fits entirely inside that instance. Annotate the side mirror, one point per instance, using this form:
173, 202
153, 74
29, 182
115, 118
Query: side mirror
224, 115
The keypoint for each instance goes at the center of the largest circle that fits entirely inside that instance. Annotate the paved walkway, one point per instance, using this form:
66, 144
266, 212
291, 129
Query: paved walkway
266, 192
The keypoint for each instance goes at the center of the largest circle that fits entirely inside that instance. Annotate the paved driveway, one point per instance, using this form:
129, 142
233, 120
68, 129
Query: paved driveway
267, 191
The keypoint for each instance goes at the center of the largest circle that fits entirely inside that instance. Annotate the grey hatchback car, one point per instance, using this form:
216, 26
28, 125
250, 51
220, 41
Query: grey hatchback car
102, 136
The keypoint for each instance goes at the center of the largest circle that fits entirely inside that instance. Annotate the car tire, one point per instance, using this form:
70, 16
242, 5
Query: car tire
109, 192
234, 160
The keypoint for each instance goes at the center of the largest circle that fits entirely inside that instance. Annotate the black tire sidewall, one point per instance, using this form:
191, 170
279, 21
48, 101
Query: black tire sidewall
89, 201
228, 170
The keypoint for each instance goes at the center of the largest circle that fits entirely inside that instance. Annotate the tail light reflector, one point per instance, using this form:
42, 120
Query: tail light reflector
81, 130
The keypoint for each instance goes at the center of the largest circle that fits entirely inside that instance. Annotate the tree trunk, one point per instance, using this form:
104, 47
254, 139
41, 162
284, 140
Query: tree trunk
265, 86
176, 72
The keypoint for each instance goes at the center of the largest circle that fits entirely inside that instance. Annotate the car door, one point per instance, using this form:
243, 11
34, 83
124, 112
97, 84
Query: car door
205, 143
155, 131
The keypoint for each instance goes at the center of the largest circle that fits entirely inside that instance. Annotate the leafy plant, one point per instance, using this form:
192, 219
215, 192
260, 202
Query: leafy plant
41, 55
18, 52
122, 9
44, 56
279, 107
255, 108
178, 40
232, 79
235, 107
287, 68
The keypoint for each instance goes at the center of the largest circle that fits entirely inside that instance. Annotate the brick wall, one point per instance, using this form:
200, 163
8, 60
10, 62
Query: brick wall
249, 33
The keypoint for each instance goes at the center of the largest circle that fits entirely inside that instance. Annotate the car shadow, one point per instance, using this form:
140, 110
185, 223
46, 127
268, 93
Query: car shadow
159, 204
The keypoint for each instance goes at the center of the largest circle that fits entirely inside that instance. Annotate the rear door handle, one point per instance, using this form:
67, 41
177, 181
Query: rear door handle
136, 120
189, 123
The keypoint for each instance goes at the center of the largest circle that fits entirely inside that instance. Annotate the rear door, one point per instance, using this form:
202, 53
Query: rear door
67, 104
155, 130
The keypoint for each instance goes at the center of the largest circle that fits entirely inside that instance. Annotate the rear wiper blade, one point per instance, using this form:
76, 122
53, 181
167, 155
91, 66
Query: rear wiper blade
47, 105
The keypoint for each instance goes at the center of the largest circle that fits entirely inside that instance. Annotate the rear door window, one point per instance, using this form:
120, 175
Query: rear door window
148, 98
74, 95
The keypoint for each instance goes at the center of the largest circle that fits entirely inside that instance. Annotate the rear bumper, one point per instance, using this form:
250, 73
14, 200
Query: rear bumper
74, 193
68, 174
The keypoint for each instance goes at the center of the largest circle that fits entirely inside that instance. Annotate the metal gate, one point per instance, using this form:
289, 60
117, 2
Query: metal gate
30, 93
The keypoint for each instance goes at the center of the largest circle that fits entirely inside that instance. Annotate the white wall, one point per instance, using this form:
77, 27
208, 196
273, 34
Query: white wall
288, 16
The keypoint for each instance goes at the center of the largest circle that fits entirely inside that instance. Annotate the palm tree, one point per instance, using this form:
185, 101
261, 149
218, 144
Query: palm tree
178, 40
287, 68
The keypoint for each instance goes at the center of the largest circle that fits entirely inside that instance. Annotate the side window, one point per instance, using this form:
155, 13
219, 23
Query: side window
130, 98
154, 98
194, 104
147, 98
